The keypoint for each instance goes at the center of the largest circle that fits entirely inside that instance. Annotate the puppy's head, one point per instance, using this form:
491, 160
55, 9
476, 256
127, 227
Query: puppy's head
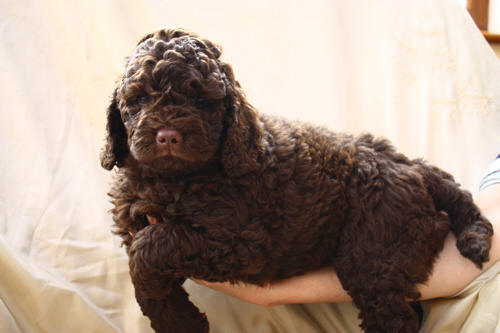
177, 109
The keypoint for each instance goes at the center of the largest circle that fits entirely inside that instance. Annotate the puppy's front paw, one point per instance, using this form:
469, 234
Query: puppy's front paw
148, 269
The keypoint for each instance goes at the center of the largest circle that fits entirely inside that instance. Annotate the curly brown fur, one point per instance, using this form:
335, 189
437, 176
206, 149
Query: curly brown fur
242, 196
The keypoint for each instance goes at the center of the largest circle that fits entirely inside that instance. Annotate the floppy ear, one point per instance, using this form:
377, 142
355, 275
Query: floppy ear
243, 145
116, 148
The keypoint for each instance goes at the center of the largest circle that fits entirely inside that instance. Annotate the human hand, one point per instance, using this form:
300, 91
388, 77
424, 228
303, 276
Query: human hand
151, 220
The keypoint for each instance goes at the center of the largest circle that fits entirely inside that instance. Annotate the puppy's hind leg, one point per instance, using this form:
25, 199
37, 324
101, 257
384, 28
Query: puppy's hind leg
380, 292
386, 312
381, 275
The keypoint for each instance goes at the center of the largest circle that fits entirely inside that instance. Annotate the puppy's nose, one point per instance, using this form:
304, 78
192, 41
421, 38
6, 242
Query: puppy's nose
168, 136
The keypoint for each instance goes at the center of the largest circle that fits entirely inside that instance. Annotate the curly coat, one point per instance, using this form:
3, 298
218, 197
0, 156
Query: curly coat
242, 196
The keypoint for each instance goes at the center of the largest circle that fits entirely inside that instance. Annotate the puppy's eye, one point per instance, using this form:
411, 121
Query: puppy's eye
126, 115
144, 99
203, 103
140, 100
130, 113
199, 102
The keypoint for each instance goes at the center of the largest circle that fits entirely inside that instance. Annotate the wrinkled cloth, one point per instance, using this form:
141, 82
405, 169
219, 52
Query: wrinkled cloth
417, 72
474, 309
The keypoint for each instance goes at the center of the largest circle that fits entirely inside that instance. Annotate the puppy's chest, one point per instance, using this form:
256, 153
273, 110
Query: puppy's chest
198, 203
236, 205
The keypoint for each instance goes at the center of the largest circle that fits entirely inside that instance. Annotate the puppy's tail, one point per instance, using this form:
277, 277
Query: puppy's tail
473, 231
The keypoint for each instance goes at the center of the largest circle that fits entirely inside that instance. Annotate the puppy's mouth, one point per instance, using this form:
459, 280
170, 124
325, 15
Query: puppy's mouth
168, 148
168, 151
171, 154
164, 154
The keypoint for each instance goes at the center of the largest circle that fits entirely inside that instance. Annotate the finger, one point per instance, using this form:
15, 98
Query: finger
152, 219
210, 284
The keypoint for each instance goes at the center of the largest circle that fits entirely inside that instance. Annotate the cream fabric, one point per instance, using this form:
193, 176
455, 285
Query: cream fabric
475, 309
234, 315
417, 72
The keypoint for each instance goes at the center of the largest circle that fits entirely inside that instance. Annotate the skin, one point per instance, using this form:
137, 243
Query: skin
452, 272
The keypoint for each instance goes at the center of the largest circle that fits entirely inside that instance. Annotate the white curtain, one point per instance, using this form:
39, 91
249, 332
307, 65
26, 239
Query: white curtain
417, 72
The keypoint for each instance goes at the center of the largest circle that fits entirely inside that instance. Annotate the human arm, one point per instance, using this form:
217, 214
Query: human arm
452, 272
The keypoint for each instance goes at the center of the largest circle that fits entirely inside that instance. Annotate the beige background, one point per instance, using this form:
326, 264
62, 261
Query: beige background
417, 72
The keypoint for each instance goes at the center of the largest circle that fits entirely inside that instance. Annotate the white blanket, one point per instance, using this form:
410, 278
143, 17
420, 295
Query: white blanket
417, 72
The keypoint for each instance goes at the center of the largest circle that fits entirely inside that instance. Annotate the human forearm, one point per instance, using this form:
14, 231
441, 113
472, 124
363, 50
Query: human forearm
314, 287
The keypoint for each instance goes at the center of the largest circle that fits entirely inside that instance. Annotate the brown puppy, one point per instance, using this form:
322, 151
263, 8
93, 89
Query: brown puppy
233, 195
